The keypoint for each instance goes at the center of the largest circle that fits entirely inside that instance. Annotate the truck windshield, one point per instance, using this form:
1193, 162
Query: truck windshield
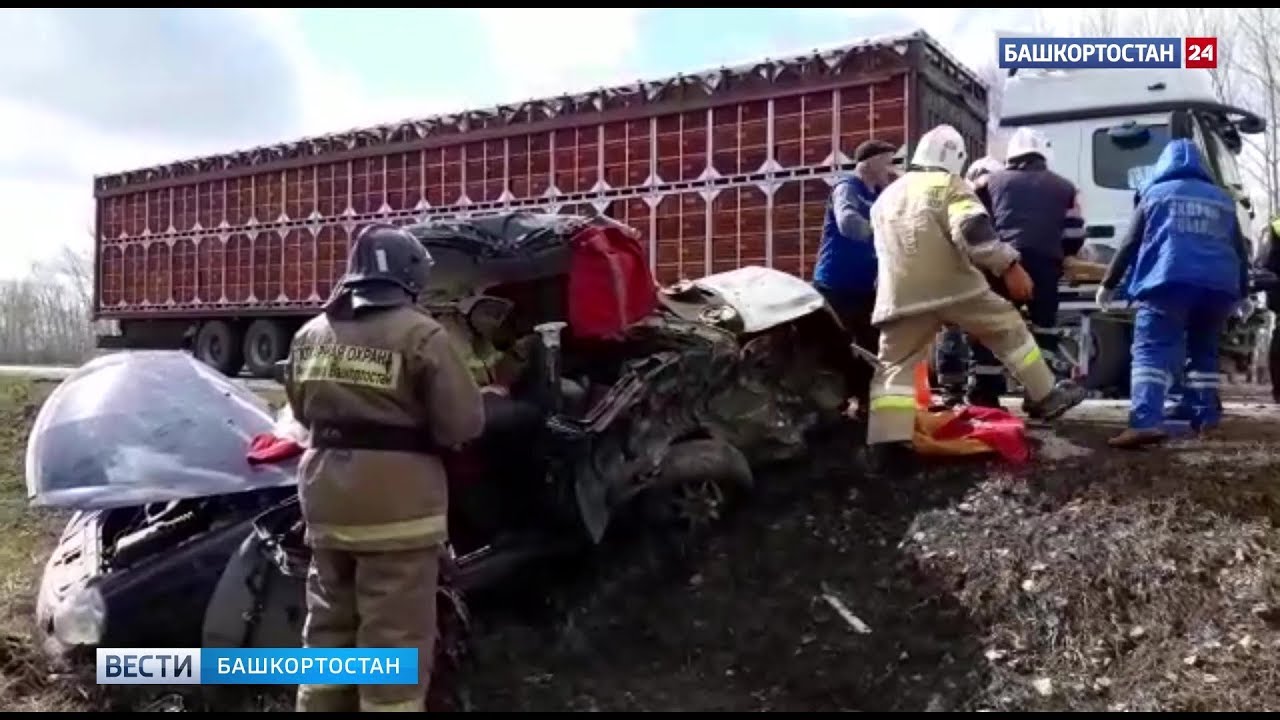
1124, 155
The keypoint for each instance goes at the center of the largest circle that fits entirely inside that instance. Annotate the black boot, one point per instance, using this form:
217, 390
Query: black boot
888, 468
1064, 396
952, 396
887, 462
983, 399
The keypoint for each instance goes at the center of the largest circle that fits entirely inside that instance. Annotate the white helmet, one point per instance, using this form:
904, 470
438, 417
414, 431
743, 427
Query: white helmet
982, 166
1026, 141
941, 147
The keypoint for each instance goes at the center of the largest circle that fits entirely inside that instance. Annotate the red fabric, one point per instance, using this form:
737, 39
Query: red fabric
268, 448
610, 286
999, 430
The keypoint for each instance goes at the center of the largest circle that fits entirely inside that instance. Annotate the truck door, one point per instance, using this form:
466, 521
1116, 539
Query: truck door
1119, 155
1220, 144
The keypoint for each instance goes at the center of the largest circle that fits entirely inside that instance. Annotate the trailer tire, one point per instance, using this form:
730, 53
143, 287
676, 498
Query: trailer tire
1109, 367
218, 345
265, 343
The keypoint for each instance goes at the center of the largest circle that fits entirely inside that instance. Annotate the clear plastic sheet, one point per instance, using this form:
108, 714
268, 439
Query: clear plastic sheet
152, 426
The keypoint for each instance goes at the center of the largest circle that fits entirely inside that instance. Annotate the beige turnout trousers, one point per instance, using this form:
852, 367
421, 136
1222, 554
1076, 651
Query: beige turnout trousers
905, 342
371, 599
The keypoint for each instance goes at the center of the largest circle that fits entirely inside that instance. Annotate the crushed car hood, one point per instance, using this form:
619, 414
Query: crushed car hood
763, 297
140, 427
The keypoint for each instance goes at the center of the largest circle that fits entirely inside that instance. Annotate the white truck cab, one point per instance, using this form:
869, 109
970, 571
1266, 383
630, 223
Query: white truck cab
1106, 129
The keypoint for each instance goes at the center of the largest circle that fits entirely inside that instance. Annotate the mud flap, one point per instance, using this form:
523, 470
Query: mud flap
254, 604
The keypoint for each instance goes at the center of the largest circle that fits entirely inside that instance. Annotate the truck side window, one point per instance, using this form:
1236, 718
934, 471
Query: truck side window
1124, 155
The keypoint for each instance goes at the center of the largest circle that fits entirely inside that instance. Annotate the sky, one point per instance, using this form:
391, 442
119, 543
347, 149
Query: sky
91, 92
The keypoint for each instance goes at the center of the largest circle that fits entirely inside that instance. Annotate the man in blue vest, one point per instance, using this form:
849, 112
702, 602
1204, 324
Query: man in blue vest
1036, 211
1186, 261
845, 272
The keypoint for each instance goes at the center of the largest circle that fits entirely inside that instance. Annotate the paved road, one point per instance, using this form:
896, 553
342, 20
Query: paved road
1246, 400
53, 372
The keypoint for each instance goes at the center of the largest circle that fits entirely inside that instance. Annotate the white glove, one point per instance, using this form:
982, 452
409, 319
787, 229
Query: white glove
1105, 297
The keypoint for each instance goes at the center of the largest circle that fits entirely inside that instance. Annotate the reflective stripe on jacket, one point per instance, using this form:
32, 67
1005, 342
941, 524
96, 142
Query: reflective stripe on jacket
934, 240
394, 367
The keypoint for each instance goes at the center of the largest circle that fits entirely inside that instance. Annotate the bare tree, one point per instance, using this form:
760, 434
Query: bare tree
46, 317
1258, 72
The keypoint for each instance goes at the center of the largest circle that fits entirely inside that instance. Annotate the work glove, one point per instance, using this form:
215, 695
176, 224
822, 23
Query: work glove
1018, 283
1105, 297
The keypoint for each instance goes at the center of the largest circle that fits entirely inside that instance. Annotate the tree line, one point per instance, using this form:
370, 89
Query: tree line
46, 316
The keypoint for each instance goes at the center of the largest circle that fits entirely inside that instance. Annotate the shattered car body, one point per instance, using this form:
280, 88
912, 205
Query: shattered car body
149, 449
178, 541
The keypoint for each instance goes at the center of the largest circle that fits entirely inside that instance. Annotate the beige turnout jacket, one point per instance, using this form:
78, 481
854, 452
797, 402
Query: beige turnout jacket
926, 260
396, 368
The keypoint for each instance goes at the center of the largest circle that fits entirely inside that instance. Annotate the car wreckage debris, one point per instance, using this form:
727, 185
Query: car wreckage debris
177, 540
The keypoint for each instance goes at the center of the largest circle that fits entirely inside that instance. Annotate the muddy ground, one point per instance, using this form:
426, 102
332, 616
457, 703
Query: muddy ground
1090, 579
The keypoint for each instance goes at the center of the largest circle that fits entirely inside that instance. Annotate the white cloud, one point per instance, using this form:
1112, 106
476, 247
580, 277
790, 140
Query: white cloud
547, 51
61, 134
57, 140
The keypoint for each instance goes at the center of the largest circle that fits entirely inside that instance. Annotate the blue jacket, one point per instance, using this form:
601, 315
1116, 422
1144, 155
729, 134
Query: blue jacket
847, 257
1183, 232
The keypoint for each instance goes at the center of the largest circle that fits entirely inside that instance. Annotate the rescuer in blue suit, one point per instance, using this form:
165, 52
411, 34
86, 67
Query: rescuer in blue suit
845, 272
1186, 264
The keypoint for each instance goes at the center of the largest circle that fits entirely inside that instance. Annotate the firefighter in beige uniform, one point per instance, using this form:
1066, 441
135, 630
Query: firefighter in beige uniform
378, 384
934, 237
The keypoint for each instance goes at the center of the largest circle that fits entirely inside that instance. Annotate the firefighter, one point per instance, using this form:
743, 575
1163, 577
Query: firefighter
953, 349
382, 392
1037, 212
932, 235
479, 328
845, 271
1186, 261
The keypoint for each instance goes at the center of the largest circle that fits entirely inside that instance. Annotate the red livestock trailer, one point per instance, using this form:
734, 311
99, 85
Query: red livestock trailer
717, 169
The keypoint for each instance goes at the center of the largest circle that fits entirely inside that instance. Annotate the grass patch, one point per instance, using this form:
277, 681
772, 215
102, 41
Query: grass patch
28, 535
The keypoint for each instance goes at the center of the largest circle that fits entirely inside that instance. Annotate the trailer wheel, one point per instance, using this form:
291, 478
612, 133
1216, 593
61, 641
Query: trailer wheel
1109, 366
265, 343
218, 345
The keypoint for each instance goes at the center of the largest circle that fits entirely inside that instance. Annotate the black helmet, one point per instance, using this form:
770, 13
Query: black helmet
387, 265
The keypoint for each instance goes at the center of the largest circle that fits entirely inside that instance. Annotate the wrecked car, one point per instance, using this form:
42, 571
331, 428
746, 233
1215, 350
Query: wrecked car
654, 404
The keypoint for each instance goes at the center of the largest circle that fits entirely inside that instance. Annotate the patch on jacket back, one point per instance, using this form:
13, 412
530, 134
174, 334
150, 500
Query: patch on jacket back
347, 364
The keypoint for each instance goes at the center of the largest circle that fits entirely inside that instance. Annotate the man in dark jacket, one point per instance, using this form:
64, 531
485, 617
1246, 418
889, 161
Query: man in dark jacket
1036, 210
953, 351
845, 272
1186, 263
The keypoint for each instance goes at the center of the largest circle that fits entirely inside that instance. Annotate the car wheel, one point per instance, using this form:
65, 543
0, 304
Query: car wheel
697, 483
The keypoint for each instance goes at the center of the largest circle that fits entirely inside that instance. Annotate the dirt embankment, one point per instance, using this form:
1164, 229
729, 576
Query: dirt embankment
1092, 579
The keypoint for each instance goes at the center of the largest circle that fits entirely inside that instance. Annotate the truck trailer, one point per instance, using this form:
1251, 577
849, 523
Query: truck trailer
717, 169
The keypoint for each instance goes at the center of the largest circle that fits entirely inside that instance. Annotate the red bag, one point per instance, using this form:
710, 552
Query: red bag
610, 286
970, 431
265, 448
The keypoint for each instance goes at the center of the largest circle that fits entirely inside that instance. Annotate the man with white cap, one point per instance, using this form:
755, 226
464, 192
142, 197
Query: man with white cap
1036, 211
